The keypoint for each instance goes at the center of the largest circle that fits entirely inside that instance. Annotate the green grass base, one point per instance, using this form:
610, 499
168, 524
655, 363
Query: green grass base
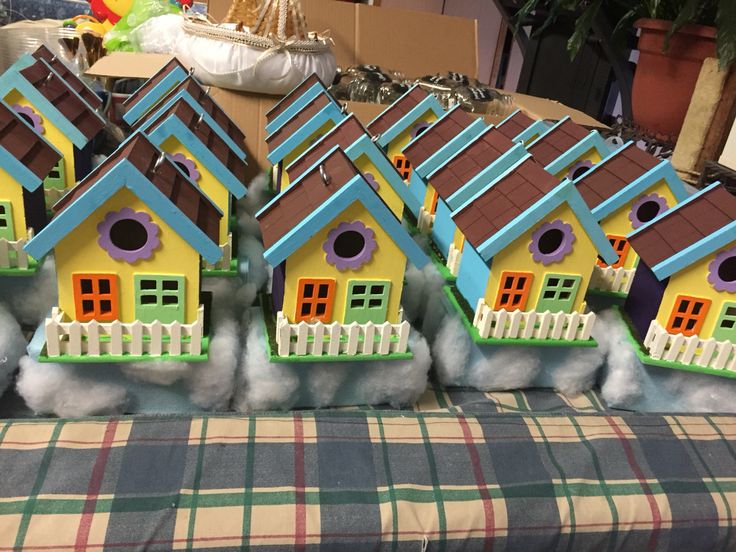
645, 359
269, 321
466, 316
610, 294
33, 266
87, 359
230, 273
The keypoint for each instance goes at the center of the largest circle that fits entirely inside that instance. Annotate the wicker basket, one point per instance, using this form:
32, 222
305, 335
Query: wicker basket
281, 18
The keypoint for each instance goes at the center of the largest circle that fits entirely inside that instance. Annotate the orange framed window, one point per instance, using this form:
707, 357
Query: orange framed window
688, 315
513, 291
621, 246
403, 166
315, 299
433, 203
96, 297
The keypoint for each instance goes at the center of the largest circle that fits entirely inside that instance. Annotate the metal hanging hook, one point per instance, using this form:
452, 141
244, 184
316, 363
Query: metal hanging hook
49, 77
199, 121
159, 162
326, 179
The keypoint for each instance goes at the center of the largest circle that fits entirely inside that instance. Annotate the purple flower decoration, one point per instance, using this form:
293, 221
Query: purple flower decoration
350, 245
128, 235
30, 117
646, 208
551, 242
185, 164
579, 169
722, 271
370, 179
418, 128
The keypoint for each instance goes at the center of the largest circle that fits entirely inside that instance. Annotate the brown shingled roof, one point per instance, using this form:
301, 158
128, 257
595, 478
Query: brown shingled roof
166, 178
614, 174
202, 97
296, 122
515, 125
292, 96
74, 82
303, 197
396, 111
481, 153
436, 136
685, 226
344, 135
557, 141
63, 98
504, 201
139, 94
22, 142
207, 135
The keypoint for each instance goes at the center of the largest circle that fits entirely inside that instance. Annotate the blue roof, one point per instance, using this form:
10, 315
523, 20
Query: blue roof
429, 103
163, 87
123, 174
458, 142
592, 141
297, 105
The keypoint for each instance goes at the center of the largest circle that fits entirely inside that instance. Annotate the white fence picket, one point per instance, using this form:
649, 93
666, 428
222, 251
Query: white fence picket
707, 353
369, 334
612, 279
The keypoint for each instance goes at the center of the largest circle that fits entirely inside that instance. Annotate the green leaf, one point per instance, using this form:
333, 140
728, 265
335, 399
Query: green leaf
726, 33
688, 14
528, 7
582, 28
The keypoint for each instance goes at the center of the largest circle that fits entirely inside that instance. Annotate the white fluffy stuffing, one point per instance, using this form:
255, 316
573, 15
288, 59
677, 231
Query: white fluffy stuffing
30, 299
12, 347
579, 371
622, 382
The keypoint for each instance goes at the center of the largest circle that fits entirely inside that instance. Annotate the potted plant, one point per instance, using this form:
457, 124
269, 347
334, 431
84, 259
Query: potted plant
675, 37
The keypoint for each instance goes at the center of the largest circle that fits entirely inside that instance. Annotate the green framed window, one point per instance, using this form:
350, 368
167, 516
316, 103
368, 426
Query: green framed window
57, 177
367, 301
558, 293
726, 325
6, 221
159, 298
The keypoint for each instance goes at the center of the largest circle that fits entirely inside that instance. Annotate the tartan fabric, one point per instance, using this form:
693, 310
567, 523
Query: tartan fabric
370, 480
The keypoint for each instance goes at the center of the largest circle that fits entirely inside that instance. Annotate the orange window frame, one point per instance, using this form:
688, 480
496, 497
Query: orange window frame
433, 203
621, 246
688, 315
97, 294
403, 165
513, 290
315, 299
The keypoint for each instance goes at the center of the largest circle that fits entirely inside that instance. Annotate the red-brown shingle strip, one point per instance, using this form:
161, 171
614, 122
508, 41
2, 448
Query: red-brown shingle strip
207, 135
515, 125
56, 91
481, 153
292, 96
436, 136
25, 145
557, 141
209, 105
396, 111
685, 226
344, 135
139, 94
614, 174
504, 201
176, 187
296, 122
71, 79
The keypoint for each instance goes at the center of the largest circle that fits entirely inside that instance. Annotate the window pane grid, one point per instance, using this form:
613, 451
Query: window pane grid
315, 299
367, 301
513, 290
688, 315
621, 246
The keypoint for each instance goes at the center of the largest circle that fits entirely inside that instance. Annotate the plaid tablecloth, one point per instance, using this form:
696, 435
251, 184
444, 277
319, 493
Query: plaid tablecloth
367, 480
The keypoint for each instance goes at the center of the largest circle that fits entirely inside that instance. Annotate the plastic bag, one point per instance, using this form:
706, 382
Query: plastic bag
118, 38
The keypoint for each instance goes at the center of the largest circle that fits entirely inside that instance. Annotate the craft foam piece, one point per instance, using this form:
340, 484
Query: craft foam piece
266, 385
153, 90
151, 387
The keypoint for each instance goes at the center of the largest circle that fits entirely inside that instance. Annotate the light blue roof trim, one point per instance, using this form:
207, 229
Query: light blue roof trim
429, 103
537, 128
194, 104
330, 112
503, 238
692, 254
156, 94
18, 171
592, 141
173, 126
296, 106
355, 190
444, 115
549, 129
13, 80
668, 212
591, 226
441, 156
663, 170
489, 174
123, 174
508, 117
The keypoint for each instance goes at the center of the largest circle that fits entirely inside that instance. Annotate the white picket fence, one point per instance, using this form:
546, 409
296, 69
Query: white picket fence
223, 263
612, 279
426, 221
532, 324
332, 339
453, 260
707, 353
12, 254
52, 195
117, 338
